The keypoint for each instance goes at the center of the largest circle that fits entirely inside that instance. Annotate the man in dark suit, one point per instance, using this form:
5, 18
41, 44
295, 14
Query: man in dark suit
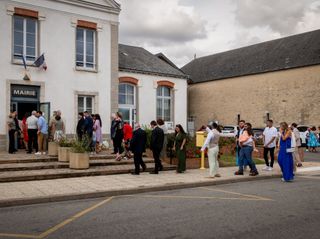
137, 147
88, 129
156, 144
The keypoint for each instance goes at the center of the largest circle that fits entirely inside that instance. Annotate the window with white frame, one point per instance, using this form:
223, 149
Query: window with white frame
85, 48
85, 103
126, 100
164, 101
25, 32
126, 94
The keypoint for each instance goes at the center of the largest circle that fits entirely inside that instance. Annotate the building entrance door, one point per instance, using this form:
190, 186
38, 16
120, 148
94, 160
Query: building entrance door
24, 108
24, 99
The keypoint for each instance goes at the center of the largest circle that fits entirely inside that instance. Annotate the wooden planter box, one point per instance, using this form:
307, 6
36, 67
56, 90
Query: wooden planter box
53, 149
79, 160
64, 154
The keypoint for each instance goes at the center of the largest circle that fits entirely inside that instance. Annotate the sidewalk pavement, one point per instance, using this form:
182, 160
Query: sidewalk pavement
32, 192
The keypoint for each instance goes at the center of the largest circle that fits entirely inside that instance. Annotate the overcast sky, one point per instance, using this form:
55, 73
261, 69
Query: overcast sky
182, 28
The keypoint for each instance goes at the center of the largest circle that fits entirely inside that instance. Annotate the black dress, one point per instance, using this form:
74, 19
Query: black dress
117, 141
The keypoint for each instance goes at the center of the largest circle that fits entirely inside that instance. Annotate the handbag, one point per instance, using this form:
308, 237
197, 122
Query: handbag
292, 149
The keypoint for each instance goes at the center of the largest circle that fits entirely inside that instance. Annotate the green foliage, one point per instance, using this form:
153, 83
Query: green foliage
81, 146
192, 150
148, 132
227, 141
227, 160
64, 142
170, 140
259, 141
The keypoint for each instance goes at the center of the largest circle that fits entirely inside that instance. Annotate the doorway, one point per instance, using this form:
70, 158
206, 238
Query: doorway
23, 108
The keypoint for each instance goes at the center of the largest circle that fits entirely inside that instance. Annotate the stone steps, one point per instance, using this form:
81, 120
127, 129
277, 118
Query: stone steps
45, 174
27, 167
27, 158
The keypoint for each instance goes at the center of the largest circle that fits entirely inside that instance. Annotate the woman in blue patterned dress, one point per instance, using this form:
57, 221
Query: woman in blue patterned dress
313, 140
285, 159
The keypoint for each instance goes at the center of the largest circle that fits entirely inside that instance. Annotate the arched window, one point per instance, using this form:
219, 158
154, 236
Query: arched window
127, 102
164, 101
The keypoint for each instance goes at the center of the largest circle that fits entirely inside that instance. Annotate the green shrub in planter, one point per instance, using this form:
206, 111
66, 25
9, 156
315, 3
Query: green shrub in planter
64, 142
81, 146
64, 149
79, 157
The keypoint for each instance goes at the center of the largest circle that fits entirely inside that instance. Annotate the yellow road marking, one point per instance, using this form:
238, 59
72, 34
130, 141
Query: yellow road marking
246, 197
18, 235
240, 194
71, 219
192, 197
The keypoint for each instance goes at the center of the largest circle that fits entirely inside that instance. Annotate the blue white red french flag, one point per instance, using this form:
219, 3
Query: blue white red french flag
41, 62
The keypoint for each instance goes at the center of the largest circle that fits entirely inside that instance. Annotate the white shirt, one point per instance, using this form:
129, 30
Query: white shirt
32, 122
212, 135
249, 142
269, 133
297, 136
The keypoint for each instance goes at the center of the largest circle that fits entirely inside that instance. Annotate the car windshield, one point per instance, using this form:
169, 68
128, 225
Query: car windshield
228, 128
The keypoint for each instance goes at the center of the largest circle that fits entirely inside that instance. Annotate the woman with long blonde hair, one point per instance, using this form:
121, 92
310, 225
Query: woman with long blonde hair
285, 158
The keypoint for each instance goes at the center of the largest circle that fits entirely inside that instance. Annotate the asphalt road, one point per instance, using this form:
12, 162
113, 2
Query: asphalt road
259, 209
312, 157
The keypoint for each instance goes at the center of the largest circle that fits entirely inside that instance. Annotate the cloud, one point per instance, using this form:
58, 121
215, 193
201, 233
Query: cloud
310, 20
182, 28
280, 16
160, 22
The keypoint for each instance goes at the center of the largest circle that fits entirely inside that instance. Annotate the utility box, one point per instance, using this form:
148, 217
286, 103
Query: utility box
200, 138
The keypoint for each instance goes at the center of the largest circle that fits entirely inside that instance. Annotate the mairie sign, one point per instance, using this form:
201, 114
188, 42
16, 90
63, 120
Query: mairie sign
24, 91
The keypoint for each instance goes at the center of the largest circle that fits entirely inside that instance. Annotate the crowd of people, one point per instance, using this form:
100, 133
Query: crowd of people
89, 129
312, 139
33, 130
126, 140
131, 142
286, 143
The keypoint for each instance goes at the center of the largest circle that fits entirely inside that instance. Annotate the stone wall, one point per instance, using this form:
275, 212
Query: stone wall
289, 95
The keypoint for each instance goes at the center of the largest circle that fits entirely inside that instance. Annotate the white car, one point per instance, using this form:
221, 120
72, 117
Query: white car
230, 129
303, 132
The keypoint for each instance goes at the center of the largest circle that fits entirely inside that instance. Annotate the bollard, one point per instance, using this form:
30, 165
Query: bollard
202, 160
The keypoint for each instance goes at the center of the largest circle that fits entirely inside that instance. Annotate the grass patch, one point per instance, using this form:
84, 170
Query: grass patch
230, 160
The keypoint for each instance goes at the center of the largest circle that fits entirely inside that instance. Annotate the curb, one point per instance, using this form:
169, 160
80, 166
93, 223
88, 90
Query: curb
60, 198
74, 174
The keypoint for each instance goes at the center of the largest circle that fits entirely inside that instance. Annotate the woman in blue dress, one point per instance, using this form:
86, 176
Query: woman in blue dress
313, 140
285, 159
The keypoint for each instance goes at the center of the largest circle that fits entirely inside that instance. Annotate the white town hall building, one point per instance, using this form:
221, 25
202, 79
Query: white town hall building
79, 41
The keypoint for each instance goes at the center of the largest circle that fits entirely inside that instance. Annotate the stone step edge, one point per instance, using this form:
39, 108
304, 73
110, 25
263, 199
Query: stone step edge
59, 165
47, 159
124, 192
73, 174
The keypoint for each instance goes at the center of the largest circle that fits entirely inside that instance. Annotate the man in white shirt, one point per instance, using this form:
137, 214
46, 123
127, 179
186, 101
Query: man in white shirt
32, 132
298, 153
269, 141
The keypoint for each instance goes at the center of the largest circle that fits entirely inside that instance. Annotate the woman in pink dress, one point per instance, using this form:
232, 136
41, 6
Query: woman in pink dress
97, 129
